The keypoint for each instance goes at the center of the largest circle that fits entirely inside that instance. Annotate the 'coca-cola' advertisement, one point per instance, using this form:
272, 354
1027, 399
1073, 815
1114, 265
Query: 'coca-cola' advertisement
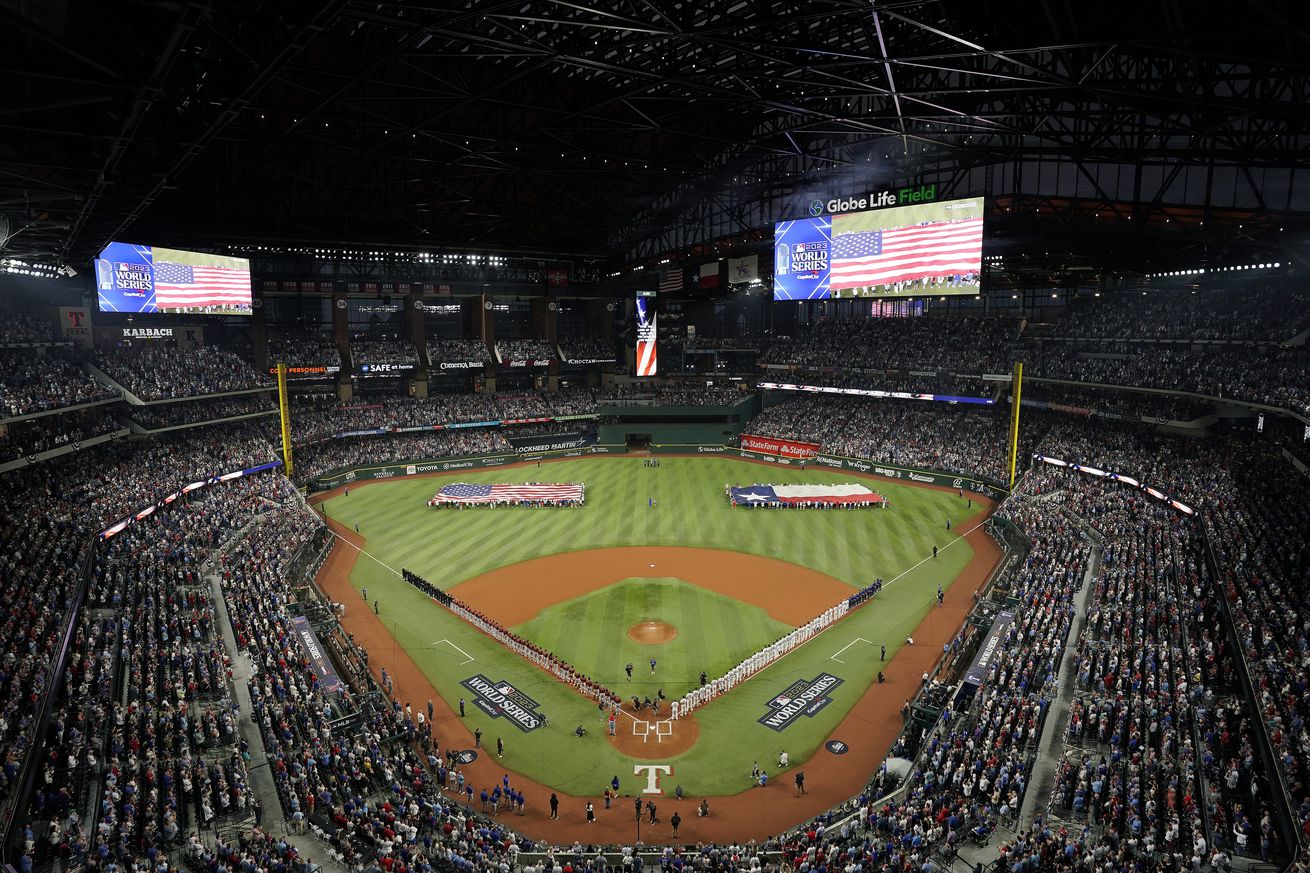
781, 448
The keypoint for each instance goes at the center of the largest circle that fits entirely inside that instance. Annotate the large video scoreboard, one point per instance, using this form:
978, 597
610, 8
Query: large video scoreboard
915, 250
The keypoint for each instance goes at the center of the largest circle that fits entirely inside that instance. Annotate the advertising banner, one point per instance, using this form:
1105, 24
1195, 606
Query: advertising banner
990, 649
777, 446
309, 372
75, 324
324, 672
384, 369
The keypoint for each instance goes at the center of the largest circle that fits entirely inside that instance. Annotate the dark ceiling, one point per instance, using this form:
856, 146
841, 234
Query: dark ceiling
550, 125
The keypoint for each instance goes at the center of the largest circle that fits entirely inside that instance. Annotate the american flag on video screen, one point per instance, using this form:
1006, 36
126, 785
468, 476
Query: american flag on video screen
182, 285
462, 492
880, 257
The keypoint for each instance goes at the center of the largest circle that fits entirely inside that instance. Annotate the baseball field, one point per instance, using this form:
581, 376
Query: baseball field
690, 582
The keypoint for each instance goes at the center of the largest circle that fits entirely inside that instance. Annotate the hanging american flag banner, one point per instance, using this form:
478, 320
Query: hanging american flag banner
870, 258
671, 279
551, 494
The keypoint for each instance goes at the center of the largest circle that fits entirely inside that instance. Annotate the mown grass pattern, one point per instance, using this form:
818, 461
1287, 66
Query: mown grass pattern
450, 546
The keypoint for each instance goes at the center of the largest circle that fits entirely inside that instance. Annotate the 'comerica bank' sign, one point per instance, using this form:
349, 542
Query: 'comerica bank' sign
898, 197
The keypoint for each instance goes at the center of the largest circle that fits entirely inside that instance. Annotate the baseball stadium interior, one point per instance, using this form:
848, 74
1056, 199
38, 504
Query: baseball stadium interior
1051, 258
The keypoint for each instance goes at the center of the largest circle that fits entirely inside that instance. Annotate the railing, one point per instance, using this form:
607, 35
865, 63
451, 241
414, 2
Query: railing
1291, 835
41, 721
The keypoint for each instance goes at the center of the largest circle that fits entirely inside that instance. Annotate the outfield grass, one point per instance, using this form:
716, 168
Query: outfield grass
449, 546
715, 634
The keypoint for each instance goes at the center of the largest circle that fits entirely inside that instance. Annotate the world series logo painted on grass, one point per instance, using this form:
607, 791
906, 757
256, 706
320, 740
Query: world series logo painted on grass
805, 697
500, 699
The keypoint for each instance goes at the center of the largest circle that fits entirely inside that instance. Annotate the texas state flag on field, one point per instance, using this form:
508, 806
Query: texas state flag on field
751, 495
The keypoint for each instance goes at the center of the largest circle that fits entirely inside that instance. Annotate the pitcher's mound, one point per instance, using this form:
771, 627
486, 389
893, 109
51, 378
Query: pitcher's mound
652, 633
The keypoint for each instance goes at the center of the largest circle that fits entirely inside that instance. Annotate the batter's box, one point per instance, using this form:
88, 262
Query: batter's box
641, 729
663, 729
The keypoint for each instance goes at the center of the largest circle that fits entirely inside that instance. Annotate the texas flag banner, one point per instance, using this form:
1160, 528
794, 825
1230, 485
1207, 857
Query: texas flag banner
807, 496
514, 494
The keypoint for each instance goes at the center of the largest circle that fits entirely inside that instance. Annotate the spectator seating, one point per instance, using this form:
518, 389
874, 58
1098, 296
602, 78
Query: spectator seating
41, 380
157, 371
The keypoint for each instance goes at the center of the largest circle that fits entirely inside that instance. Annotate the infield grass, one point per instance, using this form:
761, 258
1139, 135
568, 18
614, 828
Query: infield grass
449, 546
715, 634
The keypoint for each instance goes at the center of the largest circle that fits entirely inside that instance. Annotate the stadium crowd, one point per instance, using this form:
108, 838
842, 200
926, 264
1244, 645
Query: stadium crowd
911, 433
920, 347
45, 380
672, 394
975, 765
371, 350
524, 350
315, 460
1160, 768
582, 348
1270, 314
155, 370
24, 328
966, 345
456, 351
43, 434
302, 351
198, 411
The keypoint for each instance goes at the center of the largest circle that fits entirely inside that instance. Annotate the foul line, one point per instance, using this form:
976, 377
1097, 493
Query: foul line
847, 646
456, 648
959, 539
362, 552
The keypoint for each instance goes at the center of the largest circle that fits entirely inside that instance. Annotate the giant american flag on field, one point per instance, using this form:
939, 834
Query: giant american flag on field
922, 251
462, 492
179, 286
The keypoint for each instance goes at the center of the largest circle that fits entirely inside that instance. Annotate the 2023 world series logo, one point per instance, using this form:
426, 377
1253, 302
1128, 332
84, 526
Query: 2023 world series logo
503, 700
804, 697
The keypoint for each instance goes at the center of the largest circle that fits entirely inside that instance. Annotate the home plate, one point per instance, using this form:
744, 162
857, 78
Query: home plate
652, 565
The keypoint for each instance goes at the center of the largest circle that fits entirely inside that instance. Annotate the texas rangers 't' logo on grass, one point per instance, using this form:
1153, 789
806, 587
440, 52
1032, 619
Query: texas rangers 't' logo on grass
805, 697
500, 699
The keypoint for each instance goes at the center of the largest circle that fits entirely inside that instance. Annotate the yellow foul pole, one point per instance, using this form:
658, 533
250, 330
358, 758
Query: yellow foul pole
1017, 384
286, 418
